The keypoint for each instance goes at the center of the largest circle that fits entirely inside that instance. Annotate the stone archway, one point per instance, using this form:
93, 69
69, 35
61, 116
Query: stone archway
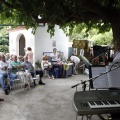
22, 45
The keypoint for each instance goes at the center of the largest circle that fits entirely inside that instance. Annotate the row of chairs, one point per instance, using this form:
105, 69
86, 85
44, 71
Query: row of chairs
19, 83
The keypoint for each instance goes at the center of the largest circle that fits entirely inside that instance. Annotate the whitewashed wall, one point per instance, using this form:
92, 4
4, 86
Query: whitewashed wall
44, 42
40, 42
14, 37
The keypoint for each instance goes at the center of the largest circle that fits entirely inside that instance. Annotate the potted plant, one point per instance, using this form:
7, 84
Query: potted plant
38, 64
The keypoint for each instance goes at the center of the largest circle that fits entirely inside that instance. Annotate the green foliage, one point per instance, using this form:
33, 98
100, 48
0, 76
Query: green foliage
62, 12
4, 48
103, 39
38, 64
98, 14
93, 34
4, 40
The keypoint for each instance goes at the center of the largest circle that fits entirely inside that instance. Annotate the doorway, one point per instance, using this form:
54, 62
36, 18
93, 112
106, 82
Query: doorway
22, 45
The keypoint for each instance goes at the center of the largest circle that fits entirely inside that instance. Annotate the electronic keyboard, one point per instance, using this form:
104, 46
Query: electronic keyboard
97, 102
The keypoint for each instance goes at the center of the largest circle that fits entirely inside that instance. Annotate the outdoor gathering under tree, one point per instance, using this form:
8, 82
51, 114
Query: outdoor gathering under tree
19, 67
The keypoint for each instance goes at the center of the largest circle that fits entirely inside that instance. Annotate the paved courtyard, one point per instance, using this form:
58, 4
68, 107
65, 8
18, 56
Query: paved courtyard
54, 101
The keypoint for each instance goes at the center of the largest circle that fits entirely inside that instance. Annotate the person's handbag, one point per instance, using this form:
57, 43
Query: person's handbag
47, 64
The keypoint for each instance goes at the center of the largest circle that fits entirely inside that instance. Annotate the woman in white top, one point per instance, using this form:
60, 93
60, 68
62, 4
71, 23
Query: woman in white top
47, 66
54, 55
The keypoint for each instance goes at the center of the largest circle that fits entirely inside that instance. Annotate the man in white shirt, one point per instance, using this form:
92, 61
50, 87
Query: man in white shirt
4, 73
76, 61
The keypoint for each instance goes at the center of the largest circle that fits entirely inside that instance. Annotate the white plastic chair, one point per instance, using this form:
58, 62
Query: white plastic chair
36, 79
20, 82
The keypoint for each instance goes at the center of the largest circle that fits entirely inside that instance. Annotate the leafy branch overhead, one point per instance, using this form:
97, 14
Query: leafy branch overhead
102, 14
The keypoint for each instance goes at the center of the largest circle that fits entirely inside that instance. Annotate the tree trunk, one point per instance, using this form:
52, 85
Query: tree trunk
115, 24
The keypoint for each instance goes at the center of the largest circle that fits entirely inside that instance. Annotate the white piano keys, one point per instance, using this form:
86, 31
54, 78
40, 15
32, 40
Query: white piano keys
104, 104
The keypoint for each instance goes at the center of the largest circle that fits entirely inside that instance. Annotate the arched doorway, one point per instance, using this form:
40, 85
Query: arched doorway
22, 45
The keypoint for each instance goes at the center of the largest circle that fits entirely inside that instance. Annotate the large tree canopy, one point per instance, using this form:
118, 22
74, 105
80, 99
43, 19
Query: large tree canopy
104, 14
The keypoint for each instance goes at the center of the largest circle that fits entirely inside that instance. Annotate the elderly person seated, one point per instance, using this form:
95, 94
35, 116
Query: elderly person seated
20, 59
4, 73
18, 69
29, 67
59, 57
47, 66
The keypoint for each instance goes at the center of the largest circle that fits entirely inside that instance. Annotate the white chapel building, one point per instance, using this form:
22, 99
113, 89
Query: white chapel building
40, 42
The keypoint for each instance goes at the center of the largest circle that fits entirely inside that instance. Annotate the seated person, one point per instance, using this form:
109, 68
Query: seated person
54, 55
47, 66
59, 57
4, 67
18, 69
20, 59
76, 61
7, 56
28, 66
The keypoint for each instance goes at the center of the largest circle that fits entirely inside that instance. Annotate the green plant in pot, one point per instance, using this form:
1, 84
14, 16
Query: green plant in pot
38, 64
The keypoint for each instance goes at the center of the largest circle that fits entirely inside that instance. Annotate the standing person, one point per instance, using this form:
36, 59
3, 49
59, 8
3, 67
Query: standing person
29, 54
75, 60
4, 66
29, 67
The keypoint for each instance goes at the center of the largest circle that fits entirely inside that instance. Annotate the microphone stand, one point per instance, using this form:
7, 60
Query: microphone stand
83, 83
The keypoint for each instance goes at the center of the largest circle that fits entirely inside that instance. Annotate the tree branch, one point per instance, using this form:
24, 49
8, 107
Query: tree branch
15, 6
92, 6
